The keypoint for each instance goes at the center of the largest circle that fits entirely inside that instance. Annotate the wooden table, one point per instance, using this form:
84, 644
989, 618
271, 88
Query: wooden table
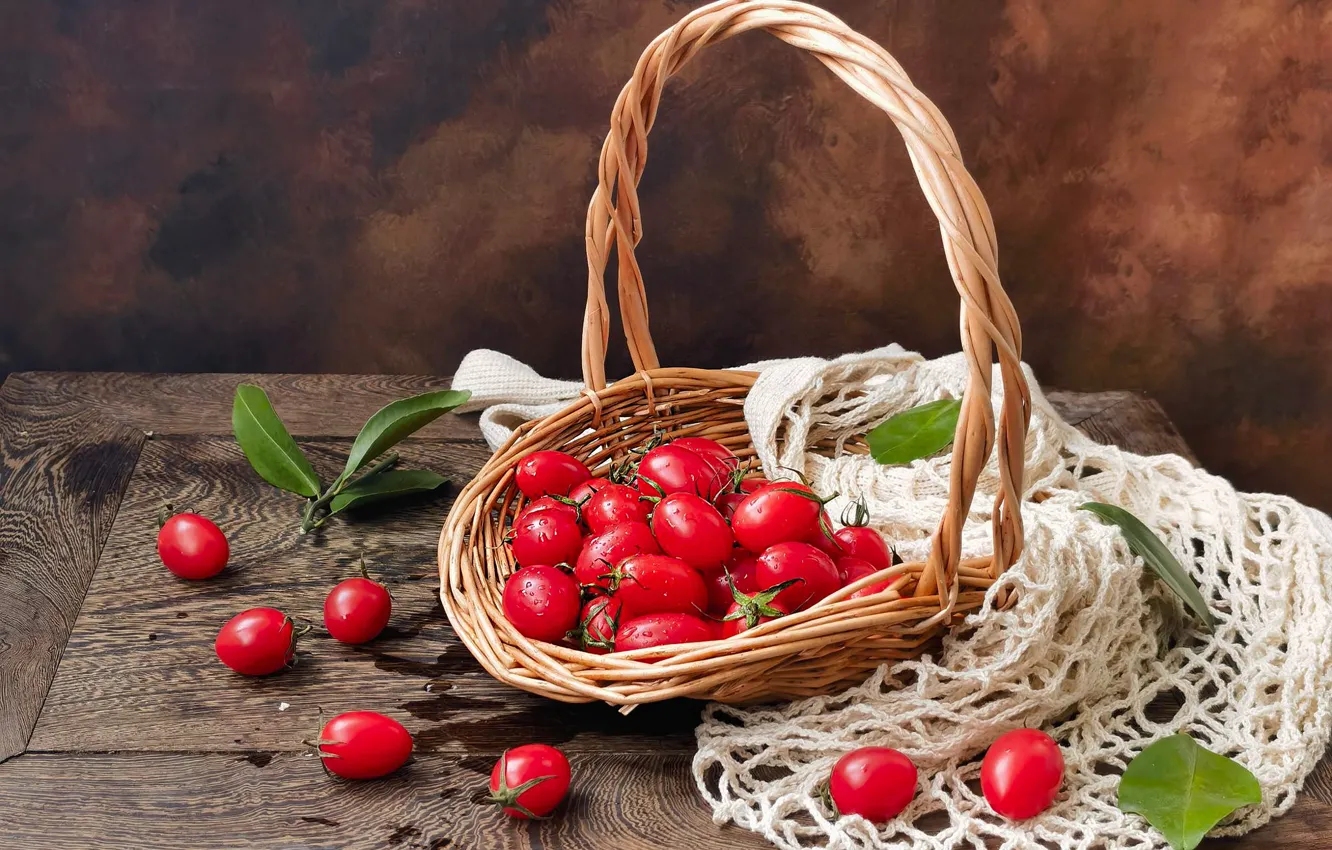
118, 727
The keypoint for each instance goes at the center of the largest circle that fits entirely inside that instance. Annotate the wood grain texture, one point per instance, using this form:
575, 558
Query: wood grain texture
139, 672
61, 478
625, 802
310, 405
142, 723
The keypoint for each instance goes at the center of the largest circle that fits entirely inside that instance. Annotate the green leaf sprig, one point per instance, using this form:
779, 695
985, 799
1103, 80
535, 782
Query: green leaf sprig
274, 454
915, 433
1153, 552
1184, 789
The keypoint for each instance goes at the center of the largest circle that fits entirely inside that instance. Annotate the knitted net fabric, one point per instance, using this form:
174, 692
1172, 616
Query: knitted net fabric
1091, 642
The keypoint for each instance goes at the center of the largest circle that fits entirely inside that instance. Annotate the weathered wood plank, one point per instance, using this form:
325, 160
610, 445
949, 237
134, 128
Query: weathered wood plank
152, 801
1128, 420
61, 478
139, 672
310, 405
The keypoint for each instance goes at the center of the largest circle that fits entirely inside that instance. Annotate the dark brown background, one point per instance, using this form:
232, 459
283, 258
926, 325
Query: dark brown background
381, 185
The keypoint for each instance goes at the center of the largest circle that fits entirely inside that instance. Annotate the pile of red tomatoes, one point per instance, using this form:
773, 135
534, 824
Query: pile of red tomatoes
678, 546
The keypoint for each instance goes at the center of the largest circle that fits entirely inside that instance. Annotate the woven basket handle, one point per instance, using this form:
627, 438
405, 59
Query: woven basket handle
988, 321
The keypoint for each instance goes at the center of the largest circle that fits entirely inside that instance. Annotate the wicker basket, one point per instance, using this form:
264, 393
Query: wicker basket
838, 640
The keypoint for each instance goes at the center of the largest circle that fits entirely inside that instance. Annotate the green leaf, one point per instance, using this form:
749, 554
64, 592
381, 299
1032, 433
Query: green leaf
267, 445
395, 421
915, 433
386, 485
1149, 547
1184, 789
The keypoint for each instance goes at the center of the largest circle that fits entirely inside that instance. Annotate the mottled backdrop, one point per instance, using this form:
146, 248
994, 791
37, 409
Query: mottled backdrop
381, 185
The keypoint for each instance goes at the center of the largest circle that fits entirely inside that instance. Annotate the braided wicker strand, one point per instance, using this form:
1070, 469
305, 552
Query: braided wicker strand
839, 640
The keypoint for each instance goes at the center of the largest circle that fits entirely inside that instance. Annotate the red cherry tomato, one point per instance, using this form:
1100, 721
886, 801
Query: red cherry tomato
357, 610
649, 584
670, 469
662, 629
851, 569
708, 450
547, 771
823, 538
364, 745
545, 503
689, 528
750, 485
598, 622
549, 474
541, 602
192, 547
546, 537
779, 512
866, 544
743, 568
615, 504
586, 489
876, 783
257, 642
727, 503
1021, 773
815, 572
602, 554
741, 617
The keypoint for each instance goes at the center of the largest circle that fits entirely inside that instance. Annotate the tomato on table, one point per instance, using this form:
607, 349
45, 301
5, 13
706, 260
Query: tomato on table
529, 781
257, 642
192, 546
364, 745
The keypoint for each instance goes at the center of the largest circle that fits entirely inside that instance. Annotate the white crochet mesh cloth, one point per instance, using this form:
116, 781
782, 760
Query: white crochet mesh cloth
1092, 640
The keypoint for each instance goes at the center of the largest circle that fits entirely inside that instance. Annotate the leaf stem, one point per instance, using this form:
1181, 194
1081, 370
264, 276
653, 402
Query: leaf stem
314, 506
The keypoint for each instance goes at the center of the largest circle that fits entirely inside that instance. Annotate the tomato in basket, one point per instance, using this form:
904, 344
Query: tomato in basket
601, 554
597, 624
547, 503
741, 569
862, 542
672, 469
542, 602
585, 490
815, 573
710, 450
614, 504
649, 584
689, 528
778, 512
749, 610
662, 629
546, 537
549, 473
851, 569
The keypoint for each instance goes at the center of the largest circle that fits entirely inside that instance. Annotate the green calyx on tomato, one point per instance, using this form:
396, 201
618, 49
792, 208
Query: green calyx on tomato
507, 798
754, 607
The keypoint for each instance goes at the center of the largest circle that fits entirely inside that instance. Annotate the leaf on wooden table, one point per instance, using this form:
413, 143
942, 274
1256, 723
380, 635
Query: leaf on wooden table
397, 420
1153, 552
386, 485
1184, 789
915, 433
267, 444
